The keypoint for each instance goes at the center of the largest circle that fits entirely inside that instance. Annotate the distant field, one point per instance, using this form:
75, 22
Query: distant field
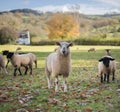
86, 93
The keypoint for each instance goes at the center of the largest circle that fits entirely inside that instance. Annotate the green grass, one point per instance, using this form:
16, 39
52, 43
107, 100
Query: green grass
85, 93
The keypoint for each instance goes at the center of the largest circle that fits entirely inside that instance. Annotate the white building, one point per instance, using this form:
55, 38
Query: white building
23, 37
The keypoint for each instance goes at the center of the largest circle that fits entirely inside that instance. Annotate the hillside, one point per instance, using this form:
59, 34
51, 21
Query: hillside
90, 26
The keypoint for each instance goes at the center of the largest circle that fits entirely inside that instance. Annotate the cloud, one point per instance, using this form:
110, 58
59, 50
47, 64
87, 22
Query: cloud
84, 8
110, 2
52, 8
87, 9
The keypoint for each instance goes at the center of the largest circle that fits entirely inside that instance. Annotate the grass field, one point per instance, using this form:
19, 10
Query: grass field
29, 93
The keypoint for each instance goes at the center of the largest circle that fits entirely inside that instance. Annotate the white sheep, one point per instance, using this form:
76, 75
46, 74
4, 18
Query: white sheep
59, 63
17, 61
2, 64
106, 66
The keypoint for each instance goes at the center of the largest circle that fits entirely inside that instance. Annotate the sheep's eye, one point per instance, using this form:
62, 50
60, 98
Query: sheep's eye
67, 46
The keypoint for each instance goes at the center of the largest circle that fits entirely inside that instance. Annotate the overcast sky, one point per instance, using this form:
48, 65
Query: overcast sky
86, 6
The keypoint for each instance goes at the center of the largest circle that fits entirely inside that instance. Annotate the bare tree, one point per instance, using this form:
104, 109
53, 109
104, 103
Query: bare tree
76, 13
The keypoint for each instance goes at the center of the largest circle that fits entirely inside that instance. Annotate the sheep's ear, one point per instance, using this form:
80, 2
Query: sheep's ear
58, 43
112, 59
70, 44
100, 59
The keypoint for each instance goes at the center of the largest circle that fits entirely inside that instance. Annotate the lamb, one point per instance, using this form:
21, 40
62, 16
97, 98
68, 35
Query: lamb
2, 64
91, 49
5, 53
59, 63
33, 57
108, 52
106, 66
17, 61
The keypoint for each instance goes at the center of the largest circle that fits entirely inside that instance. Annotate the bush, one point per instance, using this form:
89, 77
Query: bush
118, 30
84, 41
7, 35
98, 41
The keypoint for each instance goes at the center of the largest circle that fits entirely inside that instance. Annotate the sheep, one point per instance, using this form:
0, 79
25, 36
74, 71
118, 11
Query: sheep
59, 63
33, 57
91, 49
19, 48
106, 66
5, 52
2, 64
108, 52
21, 60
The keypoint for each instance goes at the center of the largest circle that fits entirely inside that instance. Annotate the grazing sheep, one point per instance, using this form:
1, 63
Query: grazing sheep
59, 63
91, 49
108, 52
2, 64
17, 61
106, 66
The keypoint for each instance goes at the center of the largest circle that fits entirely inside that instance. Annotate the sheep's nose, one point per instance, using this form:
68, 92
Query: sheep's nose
63, 52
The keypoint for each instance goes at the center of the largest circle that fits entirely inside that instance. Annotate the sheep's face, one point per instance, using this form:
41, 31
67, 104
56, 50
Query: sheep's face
64, 47
5, 52
9, 55
106, 61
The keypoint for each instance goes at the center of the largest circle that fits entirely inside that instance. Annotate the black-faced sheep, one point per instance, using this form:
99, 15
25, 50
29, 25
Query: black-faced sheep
33, 57
59, 63
106, 66
2, 64
17, 61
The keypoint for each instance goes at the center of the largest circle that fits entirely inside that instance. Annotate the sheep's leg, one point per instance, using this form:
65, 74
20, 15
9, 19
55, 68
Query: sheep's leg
48, 77
48, 80
19, 71
26, 69
65, 84
104, 77
101, 78
7, 63
35, 63
113, 78
108, 77
15, 69
56, 84
30, 69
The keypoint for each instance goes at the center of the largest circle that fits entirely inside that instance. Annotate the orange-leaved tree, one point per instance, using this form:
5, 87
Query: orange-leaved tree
62, 26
